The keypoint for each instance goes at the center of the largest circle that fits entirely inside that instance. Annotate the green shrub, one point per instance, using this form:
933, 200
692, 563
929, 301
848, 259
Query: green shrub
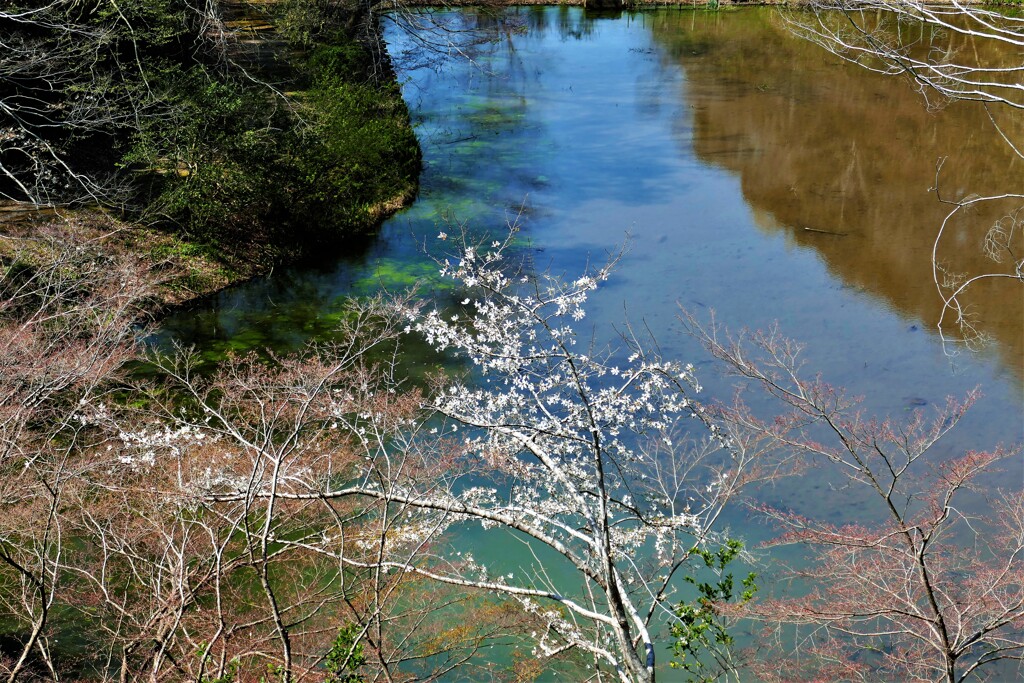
345, 657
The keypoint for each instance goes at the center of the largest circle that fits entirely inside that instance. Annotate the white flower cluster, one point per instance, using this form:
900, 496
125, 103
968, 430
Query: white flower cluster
141, 447
536, 392
173, 450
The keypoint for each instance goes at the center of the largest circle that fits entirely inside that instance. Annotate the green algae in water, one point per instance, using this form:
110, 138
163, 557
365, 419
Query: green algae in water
396, 275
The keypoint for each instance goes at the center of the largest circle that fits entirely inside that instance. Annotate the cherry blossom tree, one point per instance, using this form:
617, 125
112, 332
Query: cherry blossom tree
218, 552
932, 592
116, 526
67, 310
922, 586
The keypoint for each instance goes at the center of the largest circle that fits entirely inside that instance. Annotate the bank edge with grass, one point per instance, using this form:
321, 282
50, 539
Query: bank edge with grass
228, 143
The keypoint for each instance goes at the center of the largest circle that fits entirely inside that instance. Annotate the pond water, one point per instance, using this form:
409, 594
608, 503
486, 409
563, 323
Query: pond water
748, 172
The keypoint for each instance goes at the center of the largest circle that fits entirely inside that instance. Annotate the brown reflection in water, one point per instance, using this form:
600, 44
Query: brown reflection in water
842, 160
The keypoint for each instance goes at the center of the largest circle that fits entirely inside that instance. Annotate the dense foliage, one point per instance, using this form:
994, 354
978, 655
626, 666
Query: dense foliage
186, 117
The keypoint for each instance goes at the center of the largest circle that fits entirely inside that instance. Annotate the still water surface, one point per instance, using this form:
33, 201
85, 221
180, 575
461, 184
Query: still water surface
752, 174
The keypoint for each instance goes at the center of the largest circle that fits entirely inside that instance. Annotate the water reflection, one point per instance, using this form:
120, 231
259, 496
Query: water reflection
841, 161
